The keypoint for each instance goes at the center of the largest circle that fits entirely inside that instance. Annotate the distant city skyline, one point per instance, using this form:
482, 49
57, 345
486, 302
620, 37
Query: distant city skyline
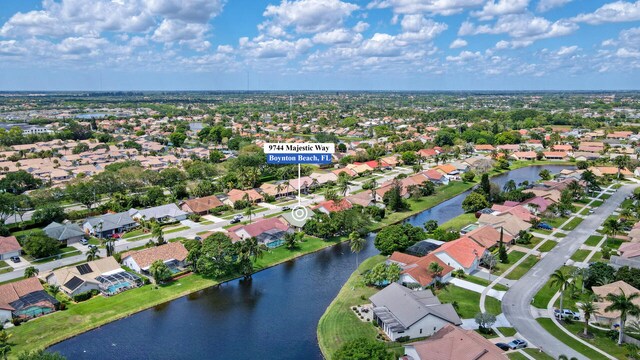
112, 45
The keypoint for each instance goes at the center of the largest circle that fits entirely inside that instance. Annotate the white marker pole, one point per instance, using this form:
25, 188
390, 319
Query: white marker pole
299, 187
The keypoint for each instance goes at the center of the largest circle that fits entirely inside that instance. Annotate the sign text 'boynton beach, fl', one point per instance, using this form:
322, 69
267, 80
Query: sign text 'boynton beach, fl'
304, 153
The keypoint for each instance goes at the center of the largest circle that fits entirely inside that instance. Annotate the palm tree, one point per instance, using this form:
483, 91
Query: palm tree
343, 185
158, 235
249, 211
92, 254
612, 227
509, 186
5, 346
290, 241
31, 271
435, 269
356, 242
621, 163
255, 248
278, 190
560, 279
588, 308
109, 245
576, 190
625, 305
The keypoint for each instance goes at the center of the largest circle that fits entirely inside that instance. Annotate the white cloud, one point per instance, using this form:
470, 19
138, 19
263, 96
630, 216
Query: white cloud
465, 56
199, 11
501, 7
619, 11
81, 45
309, 16
418, 28
191, 34
361, 26
523, 28
337, 36
546, 5
567, 50
274, 48
458, 43
11, 48
441, 7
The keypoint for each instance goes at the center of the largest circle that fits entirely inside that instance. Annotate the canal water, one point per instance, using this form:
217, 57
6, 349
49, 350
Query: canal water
272, 316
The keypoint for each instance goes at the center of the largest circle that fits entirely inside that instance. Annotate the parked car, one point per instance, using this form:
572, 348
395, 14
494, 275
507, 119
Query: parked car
591, 211
238, 216
286, 208
15, 259
91, 246
84, 241
517, 344
566, 314
198, 238
235, 220
503, 346
545, 226
116, 236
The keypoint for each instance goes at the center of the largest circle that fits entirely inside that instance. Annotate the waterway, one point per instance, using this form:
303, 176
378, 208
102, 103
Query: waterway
272, 316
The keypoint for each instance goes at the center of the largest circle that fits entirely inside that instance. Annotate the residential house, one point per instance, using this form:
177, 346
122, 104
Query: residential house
330, 206
9, 247
25, 299
448, 170
463, 253
609, 170
109, 224
162, 213
67, 233
630, 250
402, 312
423, 247
453, 343
435, 176
524, 155
173, 254
415, 270
511, 223
556, 155
295, 222
278, 190
104, 275
201, 206
364, 198
303, 184
612, 317
484, 148
236, 195
268, 231
488, 237
324, 178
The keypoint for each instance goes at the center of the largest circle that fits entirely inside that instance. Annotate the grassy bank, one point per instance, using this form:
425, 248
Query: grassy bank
78, 318
554, 330
339, 324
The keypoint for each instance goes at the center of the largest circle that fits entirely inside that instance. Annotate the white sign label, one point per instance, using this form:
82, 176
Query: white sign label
299, 148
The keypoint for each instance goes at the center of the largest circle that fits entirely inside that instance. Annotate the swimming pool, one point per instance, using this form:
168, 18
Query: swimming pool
112, 289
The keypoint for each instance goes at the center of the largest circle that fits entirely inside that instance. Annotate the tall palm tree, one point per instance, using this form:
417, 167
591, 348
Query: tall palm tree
92, 254
621, 163
356, 242
343, 185
255, 248
625, 305
5, 346
560, 279
158, 235
588, 308
612, 227
509, 186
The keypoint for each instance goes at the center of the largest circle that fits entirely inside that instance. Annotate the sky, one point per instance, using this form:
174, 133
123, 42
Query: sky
319, 45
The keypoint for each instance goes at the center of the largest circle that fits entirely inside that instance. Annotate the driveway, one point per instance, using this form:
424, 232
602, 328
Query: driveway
516, 302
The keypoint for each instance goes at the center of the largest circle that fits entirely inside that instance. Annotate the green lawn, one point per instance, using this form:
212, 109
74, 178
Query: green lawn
468, 301
547, 246
523, 268
572, 224
516, 356
459, 222
537, 354
613, 243
507, 331
513, 257
555, 222
339, 323
605, 196
593, 240
174, 230
544, 295
3, 264
132, 233
560, 235
534, 241
484, 282
64, 252
548, 325
580, 255
596, 203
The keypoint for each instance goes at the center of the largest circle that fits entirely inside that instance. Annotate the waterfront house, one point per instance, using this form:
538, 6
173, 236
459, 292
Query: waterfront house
402, 312
415, 270
104, 275
66, 234
173, 254
453, 343
25, 299
269, 231
9, 247
330, 206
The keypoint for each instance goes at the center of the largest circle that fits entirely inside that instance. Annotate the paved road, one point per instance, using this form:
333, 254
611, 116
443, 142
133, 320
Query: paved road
516, 302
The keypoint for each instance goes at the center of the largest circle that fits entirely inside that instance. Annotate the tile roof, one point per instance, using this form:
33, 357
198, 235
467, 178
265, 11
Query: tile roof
9, 244
463, 250
15, 290
487, 236
454, 343
203, 204
144, 258
260, 226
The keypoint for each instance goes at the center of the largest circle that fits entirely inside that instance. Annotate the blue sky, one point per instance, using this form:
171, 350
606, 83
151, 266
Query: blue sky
319, 44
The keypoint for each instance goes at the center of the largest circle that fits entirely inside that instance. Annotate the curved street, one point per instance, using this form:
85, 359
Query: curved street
516, 303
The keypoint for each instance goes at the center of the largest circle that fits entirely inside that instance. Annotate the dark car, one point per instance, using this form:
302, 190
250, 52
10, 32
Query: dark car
15, 259
545, 226
234, 221
503, 346
286, 208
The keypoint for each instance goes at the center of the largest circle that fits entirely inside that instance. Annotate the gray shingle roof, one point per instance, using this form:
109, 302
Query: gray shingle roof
111, 221
407, 306
63, 232
159, 212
